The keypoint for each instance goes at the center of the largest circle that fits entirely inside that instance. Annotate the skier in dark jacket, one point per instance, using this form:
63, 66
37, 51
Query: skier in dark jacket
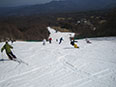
61, 39
72, 42
9, 53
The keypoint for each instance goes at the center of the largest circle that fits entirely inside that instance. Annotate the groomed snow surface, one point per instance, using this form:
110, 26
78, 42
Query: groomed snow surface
61, 65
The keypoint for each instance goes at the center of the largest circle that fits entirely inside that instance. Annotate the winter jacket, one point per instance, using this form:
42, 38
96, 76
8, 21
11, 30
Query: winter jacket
7, 48
72, 42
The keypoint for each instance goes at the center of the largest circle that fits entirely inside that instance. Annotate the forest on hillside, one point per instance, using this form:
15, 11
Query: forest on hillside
84, 24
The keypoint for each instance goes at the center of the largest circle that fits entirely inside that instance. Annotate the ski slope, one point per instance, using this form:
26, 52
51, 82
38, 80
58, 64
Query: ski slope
61, 65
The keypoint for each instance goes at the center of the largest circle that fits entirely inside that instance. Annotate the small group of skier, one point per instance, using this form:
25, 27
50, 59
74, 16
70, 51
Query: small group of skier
11, 56
72, 41
50, 40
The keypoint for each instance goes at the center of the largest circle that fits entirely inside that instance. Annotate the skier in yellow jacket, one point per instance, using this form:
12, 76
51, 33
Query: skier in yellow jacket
9, 53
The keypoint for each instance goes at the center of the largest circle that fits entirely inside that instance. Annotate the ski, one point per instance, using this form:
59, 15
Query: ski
20, 61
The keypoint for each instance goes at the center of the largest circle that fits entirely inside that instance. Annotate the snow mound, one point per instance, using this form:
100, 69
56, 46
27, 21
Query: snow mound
57, 35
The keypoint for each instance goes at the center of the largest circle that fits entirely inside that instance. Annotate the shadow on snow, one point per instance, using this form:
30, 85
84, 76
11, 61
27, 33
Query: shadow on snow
4, 60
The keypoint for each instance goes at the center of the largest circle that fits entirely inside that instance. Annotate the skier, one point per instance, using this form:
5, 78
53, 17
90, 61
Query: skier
50, 40
56, 31
87, 41
73, 44
12, 41
44, 41
9, 53
61, 39
56, 40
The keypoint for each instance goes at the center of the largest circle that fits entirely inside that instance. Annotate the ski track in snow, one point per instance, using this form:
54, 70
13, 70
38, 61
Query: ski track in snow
55, 65
89, 78
22, 74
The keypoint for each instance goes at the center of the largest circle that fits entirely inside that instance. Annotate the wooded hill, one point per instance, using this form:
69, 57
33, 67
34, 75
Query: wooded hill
84, 24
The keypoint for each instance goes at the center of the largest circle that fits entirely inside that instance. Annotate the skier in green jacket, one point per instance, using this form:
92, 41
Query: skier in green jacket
9, 53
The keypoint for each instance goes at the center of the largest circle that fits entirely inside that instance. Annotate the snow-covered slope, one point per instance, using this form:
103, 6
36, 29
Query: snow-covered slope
61, 65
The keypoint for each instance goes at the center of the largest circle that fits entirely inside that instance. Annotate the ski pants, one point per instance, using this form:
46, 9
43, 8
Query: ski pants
11, 56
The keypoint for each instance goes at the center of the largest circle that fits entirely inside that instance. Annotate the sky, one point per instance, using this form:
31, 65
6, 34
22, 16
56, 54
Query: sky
12, 3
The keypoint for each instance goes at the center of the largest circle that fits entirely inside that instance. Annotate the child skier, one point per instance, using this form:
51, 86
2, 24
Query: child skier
73, 44
9, 53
